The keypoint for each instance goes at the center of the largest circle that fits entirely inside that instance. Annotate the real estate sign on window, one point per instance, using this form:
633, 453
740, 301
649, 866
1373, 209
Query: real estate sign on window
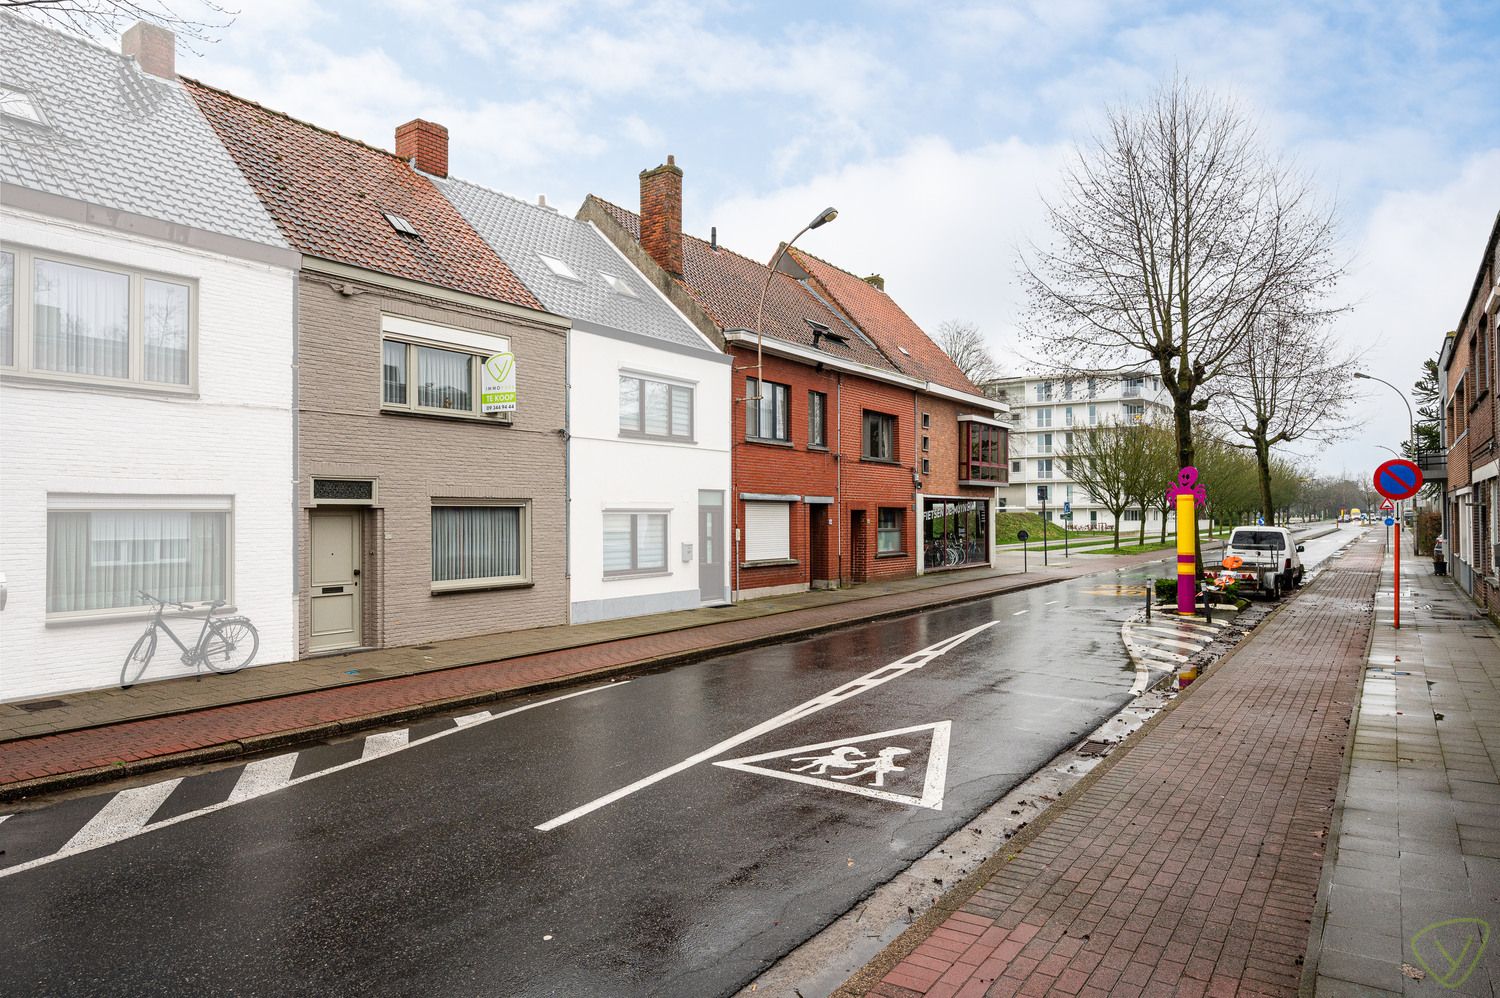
497, 392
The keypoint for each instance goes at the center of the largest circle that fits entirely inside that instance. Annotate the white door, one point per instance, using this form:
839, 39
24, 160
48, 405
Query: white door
334, 573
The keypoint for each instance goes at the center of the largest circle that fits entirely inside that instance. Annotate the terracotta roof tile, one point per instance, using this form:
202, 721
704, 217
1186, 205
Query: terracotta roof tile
727, 286
887, 324
329, 193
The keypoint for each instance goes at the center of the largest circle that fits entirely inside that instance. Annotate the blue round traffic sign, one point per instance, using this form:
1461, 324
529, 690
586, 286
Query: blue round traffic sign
1398, 479
1390, 521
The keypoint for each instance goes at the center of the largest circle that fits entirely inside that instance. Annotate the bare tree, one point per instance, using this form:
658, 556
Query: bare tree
1106, 461
963, 341
1291, 380
1174, 234
102, 20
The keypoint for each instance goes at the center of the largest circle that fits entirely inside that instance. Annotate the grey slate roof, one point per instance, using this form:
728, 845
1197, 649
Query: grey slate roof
518, 231
118, 137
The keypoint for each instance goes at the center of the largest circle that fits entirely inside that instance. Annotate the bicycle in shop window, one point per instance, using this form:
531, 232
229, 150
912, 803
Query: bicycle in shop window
224, 645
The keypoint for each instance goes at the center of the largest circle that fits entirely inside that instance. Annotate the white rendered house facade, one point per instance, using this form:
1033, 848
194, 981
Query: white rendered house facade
145, 388
1045, 413
648, 477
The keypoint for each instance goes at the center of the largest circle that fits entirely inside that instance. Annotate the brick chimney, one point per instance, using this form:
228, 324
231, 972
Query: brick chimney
661, 215
153, 47
425, 144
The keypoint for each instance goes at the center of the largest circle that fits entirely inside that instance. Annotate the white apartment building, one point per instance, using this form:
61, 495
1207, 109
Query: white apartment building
1045, 413
146, 358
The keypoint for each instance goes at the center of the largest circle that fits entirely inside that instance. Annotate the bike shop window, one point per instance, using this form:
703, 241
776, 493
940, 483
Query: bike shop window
982, 453
888, 530
635, 544
81, 320
817, 419
479, 545
103, 550
770, 416
652, 408
767, 531
880, 437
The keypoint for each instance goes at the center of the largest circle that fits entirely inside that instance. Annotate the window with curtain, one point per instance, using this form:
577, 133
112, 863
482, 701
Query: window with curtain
982, 452
100, 559
769, 418
421, 378
7, 309
888, 531
635, 543
880, 437
650, 408
80, 320
445, 379
77, 320
478, 545
393, 372
817, 419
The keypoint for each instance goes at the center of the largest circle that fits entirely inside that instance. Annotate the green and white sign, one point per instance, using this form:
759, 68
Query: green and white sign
497, 389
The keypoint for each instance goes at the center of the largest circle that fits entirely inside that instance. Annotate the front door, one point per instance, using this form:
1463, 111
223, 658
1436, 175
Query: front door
335, 608
711, 546
859, 546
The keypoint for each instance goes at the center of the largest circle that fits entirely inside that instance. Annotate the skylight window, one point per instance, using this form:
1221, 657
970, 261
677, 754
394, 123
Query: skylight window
559, 268
904, 350
401, 225
19, 104
618, 285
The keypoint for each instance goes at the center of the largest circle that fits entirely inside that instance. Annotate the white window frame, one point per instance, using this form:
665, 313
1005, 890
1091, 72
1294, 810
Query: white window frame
80, 503
884, 534
23, 312
1044, 417
786, 513
412, 343
672, 385
636, 571
492, 582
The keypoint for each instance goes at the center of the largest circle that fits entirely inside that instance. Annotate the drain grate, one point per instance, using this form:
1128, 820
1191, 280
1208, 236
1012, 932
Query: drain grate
36, 705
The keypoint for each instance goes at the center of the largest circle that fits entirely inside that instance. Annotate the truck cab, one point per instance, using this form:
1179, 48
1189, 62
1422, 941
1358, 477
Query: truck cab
1266, 558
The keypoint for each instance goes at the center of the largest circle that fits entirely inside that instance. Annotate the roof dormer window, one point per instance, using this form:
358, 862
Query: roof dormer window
618, 285
20, 105
559, 268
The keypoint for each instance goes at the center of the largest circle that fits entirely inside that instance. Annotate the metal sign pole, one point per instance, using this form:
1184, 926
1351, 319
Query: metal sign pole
1397, 621
1044, 529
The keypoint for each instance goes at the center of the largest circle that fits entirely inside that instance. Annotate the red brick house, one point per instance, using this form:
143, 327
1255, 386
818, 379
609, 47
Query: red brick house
1470, 361
829, 460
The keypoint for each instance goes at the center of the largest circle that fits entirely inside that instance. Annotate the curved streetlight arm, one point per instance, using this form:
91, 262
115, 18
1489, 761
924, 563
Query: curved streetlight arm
1411, 417
824, 217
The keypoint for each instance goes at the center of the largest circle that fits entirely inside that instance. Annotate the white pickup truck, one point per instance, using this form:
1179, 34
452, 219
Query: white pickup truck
1267, 559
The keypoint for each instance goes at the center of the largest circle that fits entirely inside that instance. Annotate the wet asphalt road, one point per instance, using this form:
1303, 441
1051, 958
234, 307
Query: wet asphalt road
422, 872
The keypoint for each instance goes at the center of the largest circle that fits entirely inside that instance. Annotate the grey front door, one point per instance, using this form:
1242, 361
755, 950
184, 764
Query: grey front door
710, 546
335, 607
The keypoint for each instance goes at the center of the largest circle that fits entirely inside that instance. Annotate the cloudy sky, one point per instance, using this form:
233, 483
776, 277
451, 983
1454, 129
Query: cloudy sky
935, 128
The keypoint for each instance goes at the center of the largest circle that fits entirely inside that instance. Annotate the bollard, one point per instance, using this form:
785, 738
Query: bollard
1150, 588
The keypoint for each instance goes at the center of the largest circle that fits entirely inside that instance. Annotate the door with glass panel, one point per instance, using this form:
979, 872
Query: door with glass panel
335, 608
710, 546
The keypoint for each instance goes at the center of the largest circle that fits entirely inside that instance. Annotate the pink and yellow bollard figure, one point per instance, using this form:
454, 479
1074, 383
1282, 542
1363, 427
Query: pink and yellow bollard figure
1187, 494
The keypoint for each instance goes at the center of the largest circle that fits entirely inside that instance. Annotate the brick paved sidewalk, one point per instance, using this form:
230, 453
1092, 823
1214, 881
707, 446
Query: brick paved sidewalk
1188, 863
199, 720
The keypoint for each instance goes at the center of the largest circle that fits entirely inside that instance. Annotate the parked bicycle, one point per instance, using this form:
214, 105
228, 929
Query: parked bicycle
226, 644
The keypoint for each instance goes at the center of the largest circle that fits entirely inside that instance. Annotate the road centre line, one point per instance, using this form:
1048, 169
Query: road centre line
1019, 612
868, 681
136, 798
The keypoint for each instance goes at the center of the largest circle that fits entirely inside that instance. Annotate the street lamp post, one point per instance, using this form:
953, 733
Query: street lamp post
823, 218
1411, 417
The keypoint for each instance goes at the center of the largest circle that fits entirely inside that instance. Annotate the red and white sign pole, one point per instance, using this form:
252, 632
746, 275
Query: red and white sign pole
1398, 480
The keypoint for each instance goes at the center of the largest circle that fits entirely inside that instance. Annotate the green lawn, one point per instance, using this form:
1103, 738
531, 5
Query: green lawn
1006, 525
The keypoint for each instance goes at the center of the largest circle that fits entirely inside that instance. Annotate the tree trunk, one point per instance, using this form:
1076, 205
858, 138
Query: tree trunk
1117, 529
1263, 471
1142, 540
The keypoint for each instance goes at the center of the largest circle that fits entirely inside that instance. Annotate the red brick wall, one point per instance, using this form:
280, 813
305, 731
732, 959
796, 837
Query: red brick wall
426, 143
661, 215
869, 485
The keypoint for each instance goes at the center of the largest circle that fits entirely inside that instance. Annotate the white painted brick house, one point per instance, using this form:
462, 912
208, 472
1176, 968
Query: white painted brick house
146, 368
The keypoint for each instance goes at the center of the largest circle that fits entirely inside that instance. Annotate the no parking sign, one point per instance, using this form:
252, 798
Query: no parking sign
1398, 479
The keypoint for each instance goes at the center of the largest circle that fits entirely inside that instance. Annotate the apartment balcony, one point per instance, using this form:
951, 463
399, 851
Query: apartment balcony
1434, 467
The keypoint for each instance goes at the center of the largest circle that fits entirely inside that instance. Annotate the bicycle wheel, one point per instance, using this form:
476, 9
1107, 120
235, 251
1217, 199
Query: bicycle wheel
140, 655
230, 644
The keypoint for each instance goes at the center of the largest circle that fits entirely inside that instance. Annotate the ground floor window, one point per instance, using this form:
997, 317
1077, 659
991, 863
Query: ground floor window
888, 531
1132, 516
768, 531
101, 559
635, 543
478, 545
955, 532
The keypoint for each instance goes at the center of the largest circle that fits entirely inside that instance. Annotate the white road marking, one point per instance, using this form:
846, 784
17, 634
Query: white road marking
468, 719
1049, 602
1156, 638
1019, 612
125, 815
868, 681
390, 741
262, 776
932, 785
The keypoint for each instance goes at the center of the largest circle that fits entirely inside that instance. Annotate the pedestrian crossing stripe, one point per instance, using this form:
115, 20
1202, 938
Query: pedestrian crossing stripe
35, 838
841, 756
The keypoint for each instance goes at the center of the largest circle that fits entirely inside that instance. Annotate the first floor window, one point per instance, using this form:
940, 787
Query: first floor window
1015, 467
1044, 468
888, 531
767, 531
651, 408
982, 458
880, 437
478, 545
770, 416
7, 309
817, 419
635, 543
422, 378
101, 559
